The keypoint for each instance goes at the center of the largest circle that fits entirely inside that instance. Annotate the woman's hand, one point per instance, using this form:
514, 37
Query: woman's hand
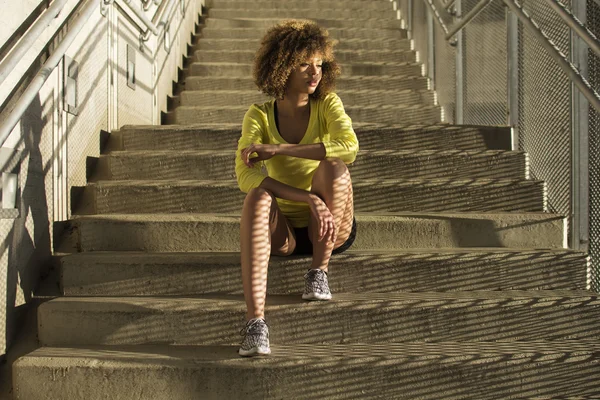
263, 151
325, 221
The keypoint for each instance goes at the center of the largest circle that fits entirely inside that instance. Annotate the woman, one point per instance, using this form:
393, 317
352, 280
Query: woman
304, 139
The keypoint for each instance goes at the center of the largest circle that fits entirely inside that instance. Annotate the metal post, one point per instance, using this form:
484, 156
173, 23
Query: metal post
513, 75
409, 18
431, 49
580, 140
459, 118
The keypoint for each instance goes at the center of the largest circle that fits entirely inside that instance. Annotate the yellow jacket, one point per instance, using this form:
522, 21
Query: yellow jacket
328, 124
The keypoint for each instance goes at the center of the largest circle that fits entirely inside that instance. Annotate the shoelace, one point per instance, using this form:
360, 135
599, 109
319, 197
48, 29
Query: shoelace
252, 326
317, 275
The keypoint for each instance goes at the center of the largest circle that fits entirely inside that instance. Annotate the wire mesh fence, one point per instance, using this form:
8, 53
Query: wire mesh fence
544, 113
593, 23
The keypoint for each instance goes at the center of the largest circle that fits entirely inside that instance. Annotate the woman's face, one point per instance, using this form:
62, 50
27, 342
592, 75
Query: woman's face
306, 77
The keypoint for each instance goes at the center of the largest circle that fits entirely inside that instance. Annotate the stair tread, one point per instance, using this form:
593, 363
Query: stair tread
359, 127
216, 257
361, 182
359, 216
337, 51
303, 353
436, 299
396, 153
342, 92
362, 63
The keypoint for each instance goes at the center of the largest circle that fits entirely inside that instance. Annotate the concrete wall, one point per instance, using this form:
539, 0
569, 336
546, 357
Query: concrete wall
52, 145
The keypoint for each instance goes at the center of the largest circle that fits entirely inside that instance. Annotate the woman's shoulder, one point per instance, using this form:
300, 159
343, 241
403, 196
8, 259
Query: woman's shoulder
263, 108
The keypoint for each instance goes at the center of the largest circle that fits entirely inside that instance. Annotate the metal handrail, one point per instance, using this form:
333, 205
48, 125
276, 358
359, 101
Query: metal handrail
442, 15
17, 53
142, 16
582, 84
38, 81
584, 33
164, 19
468, 18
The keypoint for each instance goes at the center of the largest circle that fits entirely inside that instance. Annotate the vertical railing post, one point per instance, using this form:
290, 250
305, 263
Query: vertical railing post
409, 19
512, 41
431, 49
459, 117
580, 141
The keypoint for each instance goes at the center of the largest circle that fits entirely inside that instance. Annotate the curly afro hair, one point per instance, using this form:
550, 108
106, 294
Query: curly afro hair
287, 45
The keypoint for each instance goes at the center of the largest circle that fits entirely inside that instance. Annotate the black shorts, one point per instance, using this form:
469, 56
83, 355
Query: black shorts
304, 245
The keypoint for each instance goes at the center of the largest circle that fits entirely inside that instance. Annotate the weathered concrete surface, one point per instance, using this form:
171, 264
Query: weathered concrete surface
348, 318
220, 232
374, 37
350, 98
392, 164
243, 5
245, 82
322, 13
429, 371
264, 23
342, 56
248, 39
231, 69
391, 114
370, 195
218, 137
179, 274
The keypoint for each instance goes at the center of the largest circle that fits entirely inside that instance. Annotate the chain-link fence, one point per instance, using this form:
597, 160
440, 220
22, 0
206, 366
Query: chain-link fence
497, 72
593, 23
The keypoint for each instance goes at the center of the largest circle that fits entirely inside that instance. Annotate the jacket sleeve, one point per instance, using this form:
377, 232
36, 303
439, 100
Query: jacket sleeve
252, 133
343, 142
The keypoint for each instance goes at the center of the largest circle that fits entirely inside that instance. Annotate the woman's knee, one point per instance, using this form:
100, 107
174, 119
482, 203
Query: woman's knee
332, 168
259, 199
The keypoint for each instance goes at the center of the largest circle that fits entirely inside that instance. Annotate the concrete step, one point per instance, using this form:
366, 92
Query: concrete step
344, 45
387, 82
350, 98
381, 164
328, 23
351, 33
295, 4
291, 12
188, 274
342, 56
218, 137
427, 371
220, 232
370, 195
355, 69
347, 318
379, 114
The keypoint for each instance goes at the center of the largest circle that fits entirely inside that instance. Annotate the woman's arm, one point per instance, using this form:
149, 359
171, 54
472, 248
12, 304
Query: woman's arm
284, 191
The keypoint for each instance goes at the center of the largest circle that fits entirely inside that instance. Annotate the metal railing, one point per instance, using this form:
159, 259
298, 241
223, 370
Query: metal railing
442, 15
17, 53
531, 37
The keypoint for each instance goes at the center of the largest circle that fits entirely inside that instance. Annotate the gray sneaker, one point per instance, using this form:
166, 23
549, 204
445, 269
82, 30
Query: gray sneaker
256, 338
316, 286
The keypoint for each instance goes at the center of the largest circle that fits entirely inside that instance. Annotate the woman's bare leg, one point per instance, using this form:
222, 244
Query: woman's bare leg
264, 230
333, 184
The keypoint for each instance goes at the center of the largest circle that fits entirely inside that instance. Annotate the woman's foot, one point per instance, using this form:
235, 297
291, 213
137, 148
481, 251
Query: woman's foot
316, 286
256, 338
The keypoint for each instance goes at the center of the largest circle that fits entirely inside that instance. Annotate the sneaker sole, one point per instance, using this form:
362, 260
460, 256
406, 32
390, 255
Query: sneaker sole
255, 351
316, 296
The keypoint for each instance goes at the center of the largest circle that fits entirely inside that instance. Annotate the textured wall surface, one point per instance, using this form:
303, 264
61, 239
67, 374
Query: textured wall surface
55, 144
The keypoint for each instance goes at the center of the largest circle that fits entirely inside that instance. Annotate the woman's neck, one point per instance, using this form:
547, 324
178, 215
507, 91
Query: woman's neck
293, 105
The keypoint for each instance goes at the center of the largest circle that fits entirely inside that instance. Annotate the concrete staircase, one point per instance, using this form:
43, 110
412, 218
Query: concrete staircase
458, 286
